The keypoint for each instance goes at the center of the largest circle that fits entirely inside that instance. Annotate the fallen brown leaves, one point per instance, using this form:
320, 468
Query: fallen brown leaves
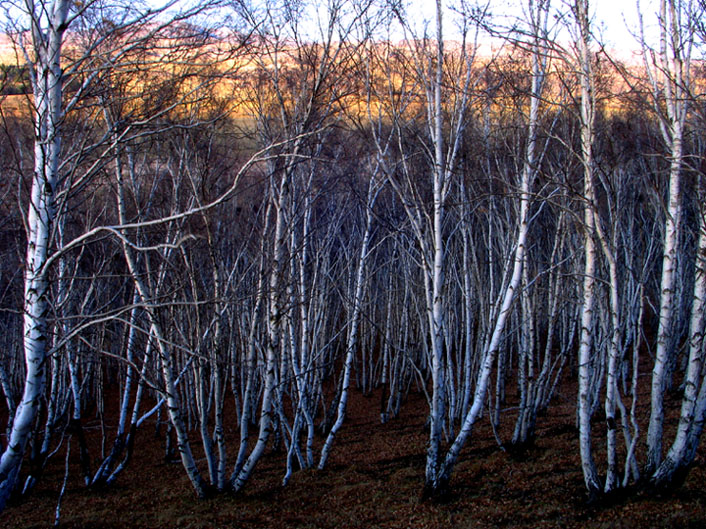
374, 480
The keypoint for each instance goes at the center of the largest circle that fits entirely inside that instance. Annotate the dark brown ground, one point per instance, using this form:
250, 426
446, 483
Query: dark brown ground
374, 479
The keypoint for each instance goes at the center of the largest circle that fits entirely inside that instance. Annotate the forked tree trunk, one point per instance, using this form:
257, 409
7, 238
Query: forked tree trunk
673, 76
682, 451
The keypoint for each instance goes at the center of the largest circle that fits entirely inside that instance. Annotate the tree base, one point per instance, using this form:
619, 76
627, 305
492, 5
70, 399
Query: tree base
437, 492
665, 484
520, 451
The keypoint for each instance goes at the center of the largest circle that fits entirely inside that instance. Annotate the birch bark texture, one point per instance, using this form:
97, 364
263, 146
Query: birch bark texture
586, 348
669, 74
48, 24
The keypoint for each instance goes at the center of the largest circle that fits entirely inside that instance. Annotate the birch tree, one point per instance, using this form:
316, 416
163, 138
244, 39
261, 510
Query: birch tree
682, 451
429, 63
586, 351
679, 25
668, 69
60, 172
48, 26
538, 14
297, 97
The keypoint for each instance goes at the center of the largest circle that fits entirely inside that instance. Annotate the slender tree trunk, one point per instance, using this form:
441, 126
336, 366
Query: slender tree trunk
612, 397
241, 475
373, 190
435, 309
665, 342
680, 455
670, 83
166, 359
586, 350
46, 79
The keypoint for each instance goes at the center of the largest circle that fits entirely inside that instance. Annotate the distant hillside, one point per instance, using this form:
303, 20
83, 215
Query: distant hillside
7, 50
13, 77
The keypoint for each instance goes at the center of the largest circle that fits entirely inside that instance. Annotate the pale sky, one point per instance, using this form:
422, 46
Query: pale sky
613, 20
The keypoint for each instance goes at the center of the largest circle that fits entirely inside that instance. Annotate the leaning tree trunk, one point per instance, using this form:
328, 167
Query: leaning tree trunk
373, 191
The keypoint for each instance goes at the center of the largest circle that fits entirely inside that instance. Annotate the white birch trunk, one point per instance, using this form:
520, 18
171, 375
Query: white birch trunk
490, 353
590, 254
47, 36
665, 344
106, 467
241, 475
251, 356
612, 397
468, 311
679, 455
435, 309
493, 344
673, 76
538, 24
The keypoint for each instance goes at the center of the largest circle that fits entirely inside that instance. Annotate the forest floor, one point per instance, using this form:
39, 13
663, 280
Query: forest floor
374, 480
